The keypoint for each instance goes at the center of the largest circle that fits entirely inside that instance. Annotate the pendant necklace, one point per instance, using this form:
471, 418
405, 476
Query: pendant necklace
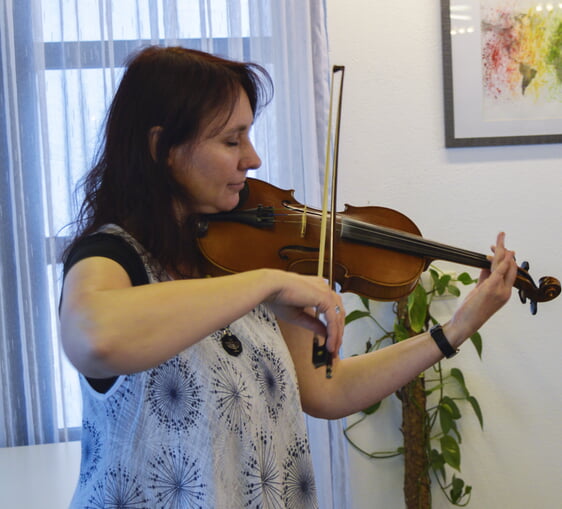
231, 344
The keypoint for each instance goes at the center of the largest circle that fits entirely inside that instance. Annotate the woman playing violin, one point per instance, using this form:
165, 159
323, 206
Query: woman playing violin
194, 387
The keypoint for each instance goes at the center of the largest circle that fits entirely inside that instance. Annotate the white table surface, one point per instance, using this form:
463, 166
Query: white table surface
38, 476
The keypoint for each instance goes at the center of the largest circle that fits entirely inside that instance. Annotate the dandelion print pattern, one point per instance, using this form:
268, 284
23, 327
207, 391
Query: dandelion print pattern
119, 491
120, 399
233, 399
263, 478
264, 315
174, 395
271, 376
299, 488
91, 450
176, 481
202, 430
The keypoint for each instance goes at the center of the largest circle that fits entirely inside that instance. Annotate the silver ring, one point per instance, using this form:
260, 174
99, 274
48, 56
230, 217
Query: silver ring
338, 309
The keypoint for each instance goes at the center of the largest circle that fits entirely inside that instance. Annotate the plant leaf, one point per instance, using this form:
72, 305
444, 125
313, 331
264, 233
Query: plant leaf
476, 339
456, 373
365, 302
445, 419
434, 276
453, 290
477, 410
356, 315
451, 407
442, 284
437, 463
400, 332
456, 489
466, 279
417, 308
456, 432
451, 452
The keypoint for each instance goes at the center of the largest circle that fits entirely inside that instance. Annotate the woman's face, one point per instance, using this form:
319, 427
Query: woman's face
213, 171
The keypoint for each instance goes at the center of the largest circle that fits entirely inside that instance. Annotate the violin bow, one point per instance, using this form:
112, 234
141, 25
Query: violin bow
320, 354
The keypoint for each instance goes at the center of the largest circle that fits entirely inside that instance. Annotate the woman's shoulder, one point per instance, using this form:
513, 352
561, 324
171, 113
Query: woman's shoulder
114, 242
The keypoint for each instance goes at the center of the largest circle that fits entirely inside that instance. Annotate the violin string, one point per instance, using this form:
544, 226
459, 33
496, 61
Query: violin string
409, 243
399, 240
414, 244
417, 244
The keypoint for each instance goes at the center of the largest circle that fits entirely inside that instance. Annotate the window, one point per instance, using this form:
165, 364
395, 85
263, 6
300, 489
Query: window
84, 45
60, 64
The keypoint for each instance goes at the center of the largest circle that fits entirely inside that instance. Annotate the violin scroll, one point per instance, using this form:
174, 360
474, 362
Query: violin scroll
548, 288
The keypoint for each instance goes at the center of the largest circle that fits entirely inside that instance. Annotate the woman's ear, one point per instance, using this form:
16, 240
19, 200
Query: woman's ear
153, 137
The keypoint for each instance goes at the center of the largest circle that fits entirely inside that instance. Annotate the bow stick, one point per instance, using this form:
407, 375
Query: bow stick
320, 354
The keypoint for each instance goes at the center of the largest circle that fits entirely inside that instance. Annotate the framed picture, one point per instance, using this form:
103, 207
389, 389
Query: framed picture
502, 71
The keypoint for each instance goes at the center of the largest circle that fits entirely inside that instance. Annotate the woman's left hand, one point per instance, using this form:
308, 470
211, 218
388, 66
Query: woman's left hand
493, 290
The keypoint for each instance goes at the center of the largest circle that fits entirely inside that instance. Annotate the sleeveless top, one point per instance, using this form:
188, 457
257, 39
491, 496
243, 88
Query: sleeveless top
205, 429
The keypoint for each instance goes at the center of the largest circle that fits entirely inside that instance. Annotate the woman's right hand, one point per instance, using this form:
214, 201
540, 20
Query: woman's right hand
302, 300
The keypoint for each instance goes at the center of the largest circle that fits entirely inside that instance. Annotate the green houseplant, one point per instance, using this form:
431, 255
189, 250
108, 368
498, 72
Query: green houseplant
431, 403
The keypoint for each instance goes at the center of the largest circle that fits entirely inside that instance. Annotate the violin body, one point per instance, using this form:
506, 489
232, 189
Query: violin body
377, 252
292, 243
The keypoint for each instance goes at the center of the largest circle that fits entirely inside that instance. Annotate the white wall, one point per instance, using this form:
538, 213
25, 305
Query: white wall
392, 153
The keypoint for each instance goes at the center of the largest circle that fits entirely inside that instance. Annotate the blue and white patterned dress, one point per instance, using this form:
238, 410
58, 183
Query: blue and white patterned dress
203, 430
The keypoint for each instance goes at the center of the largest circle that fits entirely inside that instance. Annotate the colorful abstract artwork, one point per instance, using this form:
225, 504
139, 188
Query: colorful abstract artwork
522, 51
502, 72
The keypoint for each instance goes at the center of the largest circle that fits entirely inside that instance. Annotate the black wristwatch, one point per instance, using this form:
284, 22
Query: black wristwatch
442, 342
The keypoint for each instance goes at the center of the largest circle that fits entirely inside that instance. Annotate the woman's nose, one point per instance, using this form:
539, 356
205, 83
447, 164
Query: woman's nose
250, 159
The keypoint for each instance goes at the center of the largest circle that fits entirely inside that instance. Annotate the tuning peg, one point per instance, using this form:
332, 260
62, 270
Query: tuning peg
522, 296
525, 266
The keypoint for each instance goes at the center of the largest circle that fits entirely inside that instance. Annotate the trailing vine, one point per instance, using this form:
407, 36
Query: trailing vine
431, 403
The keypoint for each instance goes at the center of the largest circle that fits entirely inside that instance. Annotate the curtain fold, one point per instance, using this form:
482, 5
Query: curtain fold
60, 63
27, 396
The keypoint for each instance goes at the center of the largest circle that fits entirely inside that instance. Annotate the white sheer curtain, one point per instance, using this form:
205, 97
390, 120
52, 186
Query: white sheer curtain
60, 62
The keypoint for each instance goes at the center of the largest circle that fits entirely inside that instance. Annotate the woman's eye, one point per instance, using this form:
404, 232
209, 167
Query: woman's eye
232, 143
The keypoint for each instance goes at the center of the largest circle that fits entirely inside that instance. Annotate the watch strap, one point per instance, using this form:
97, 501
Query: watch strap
442, 342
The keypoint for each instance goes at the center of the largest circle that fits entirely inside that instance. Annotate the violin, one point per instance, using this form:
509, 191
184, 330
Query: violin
378, 252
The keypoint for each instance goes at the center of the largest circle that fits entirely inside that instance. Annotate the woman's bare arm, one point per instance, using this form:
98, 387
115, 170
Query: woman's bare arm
110, 327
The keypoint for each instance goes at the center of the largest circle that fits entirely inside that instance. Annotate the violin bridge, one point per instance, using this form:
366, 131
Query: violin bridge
303, 223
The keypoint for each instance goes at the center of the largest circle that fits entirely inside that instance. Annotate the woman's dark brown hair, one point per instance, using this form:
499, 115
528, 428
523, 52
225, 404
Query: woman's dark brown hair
178, 90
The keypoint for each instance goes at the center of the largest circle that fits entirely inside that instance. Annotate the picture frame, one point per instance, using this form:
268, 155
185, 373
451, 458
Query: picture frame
502, 80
